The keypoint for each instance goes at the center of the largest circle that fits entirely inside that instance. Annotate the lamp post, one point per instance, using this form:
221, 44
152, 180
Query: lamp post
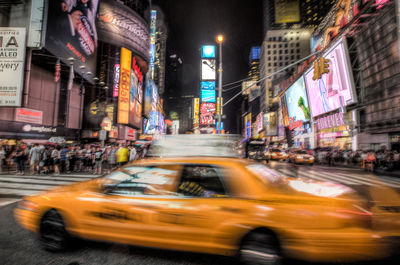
220, 39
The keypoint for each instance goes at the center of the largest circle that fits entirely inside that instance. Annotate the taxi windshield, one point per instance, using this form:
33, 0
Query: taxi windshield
301, 152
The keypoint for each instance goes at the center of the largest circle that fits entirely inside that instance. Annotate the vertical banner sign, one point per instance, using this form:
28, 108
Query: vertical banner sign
153, 20
124, 86
218, 105
12, 57
196, 112
57, 73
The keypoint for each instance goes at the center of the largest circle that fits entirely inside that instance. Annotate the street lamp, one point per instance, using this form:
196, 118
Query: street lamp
220, 39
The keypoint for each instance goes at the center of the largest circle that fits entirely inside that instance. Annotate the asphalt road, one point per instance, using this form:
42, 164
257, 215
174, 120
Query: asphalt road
20, 247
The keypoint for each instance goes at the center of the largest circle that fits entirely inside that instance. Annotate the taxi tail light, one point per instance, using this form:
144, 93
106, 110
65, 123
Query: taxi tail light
360, 217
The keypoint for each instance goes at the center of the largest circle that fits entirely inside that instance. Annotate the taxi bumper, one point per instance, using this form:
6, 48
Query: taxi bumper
27, 219
352, 244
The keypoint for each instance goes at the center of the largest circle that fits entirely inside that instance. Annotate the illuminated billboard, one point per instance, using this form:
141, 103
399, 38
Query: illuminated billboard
208, 69
207, 85
297, 102
124, 86
255, 53
208, 51
207, 95
207, 111
335, 88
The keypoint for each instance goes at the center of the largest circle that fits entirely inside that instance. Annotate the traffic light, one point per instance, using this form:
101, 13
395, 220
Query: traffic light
321, 66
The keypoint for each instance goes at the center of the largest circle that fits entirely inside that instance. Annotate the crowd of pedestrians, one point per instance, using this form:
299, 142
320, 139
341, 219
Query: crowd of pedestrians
382, 159
60, 159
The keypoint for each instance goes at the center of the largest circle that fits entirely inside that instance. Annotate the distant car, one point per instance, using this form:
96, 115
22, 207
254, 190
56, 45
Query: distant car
255, 149
278, 154
301, 157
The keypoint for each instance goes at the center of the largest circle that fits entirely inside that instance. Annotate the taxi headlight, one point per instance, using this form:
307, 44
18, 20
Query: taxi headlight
28, 205
300, 157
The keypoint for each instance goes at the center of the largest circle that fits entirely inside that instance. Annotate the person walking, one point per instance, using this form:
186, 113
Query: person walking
45, 161
19, 159
132, 153
98, 161
2, 157
122, 155
112, 157
34, 158
56, 157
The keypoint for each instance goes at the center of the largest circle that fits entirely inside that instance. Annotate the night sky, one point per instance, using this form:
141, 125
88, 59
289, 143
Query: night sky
193, 23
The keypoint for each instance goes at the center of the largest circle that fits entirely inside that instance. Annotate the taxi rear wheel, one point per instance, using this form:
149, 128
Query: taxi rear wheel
260, 248
53, 235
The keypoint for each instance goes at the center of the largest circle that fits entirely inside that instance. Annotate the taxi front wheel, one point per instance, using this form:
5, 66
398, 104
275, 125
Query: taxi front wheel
260, 248
53, 235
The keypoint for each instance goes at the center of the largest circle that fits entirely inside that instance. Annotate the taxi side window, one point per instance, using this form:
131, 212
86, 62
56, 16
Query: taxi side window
146, 180
201, 181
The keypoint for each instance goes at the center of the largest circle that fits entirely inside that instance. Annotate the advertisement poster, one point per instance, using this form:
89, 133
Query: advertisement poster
124, 86
72, 32
208, 69
334, 89
208, 51
121, 26
147, 96
207, 95
207, 111
207, 85
259, 122
338, 17
297, 102
270, 124
12, 58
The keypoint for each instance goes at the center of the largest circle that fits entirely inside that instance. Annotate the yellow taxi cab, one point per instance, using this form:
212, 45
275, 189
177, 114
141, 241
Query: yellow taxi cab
218, 205
215, 205
301, 157
278, 154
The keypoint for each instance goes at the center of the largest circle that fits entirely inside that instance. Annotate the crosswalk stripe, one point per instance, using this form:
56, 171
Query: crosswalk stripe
14, 186
327, 177
349, 179
44, 180
367, 178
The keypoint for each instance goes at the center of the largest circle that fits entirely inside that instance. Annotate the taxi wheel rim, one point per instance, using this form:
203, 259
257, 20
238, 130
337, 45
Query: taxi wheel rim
260, 249
53, 233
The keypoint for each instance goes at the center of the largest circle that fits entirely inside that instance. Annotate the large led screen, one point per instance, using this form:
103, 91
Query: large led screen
334, 89
207, 69
296, 101
207, 95
208, 51
207, 85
